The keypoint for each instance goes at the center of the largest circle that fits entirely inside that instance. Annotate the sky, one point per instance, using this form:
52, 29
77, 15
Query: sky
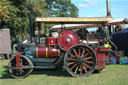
97, 8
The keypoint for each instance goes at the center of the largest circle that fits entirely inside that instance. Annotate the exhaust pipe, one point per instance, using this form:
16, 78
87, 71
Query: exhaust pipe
108, 6
32, 30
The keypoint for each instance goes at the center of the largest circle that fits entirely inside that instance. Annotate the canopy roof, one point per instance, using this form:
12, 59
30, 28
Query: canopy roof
78, 26
71, 20
118, 21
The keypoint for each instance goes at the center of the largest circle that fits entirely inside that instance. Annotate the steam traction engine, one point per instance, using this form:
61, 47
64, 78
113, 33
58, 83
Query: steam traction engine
77, 56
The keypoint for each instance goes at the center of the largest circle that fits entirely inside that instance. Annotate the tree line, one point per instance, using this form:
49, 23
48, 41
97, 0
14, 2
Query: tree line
14, 14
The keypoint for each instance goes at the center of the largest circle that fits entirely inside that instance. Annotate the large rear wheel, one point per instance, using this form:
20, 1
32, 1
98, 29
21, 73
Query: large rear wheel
80, 60
20, 71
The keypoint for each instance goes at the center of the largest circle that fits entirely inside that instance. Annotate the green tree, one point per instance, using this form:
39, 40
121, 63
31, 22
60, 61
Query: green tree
27, 7
7, 11
8, 16
62, 8
14, 14
37, 7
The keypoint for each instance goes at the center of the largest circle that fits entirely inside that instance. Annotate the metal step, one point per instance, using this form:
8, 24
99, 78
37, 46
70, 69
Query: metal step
44, 60
45, 67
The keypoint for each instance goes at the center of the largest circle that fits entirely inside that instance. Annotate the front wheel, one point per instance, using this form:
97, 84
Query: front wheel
20, 71
80, 61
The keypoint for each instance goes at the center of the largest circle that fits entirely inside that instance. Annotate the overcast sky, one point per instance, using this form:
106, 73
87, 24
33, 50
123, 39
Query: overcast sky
97, 8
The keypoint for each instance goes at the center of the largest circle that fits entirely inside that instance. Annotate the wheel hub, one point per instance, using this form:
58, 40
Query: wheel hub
80, 60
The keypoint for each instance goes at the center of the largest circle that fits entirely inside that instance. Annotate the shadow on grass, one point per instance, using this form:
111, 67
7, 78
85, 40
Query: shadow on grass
116, 64
59, 73
4, 74
51, 72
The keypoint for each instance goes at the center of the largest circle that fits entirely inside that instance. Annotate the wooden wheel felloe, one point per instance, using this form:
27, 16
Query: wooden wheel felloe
80, 60
20, 71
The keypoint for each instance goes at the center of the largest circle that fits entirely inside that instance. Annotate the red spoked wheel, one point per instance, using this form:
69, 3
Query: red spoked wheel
80, 61
20, 71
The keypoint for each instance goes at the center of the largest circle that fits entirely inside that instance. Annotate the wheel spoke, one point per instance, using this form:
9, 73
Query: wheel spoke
85, 69
70, 63
71, 59
85, 55
73, 66
80, 70
88, 66
79, 51
21, 72
76, 70
89, 52
89, 62
75, 52
88, 58
71, 55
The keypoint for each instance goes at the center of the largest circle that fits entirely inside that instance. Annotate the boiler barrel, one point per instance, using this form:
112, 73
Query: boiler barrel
44, 52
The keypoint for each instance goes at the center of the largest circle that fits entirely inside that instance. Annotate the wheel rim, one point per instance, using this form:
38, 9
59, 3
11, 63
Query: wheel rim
80, 60
20, 73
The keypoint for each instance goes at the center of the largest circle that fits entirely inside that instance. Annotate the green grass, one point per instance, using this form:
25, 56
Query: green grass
112, 75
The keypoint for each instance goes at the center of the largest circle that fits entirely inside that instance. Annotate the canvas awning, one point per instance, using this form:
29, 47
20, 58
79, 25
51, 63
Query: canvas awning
79, 26
118, 21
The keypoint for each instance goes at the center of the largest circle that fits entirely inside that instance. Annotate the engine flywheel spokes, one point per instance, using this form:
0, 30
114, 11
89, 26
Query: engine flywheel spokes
80, 60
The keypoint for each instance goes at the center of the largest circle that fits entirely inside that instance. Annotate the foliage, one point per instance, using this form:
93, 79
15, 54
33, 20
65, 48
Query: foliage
62, 8
14, 14
7, 11
37, 7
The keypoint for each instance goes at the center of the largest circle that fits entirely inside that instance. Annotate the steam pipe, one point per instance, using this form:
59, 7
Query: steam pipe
108, 6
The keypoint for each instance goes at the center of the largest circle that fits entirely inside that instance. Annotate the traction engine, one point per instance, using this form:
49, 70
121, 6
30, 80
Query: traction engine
78, 57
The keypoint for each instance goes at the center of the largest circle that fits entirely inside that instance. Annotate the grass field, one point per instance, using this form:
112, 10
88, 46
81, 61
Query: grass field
112, 75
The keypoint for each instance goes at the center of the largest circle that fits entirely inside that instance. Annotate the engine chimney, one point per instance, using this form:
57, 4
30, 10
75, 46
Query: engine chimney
108, 6
32, 30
